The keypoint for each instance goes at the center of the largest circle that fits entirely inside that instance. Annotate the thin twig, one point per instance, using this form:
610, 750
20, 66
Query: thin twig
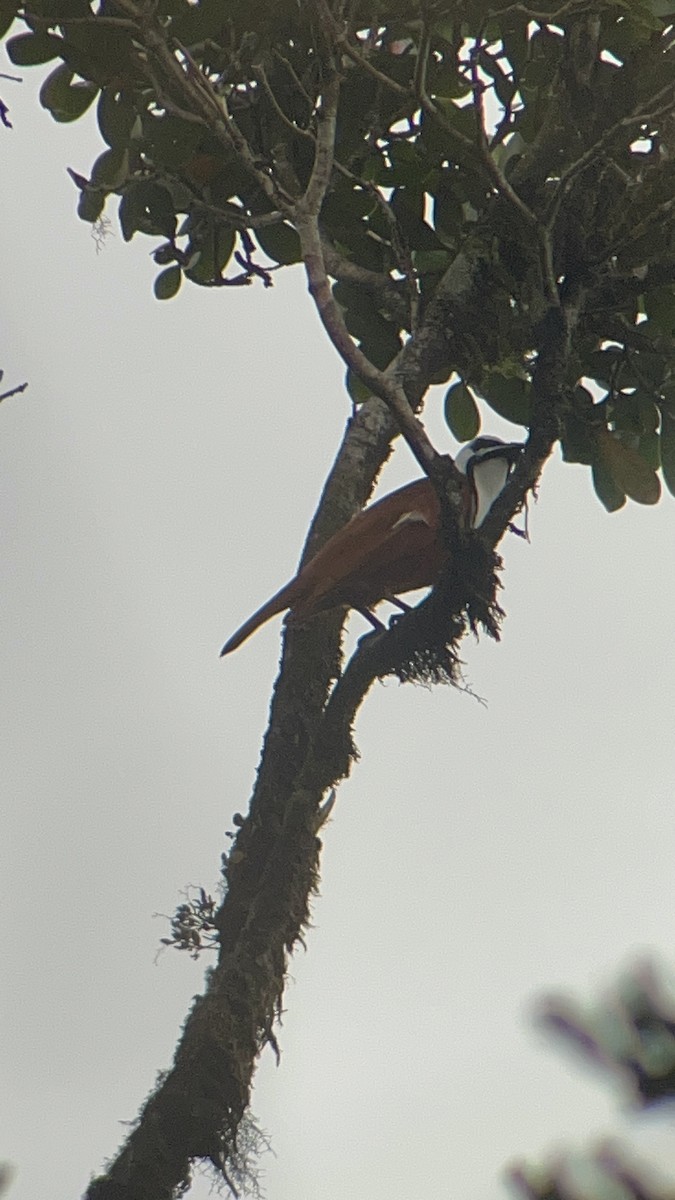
388, 293
637, 117
379, 382
261, 75
345, 45
445, 123
397, 242
306, 219
498, 177
665, 209
216, 114
548, 269
168, 103
324, 149
298, 83
14, 391
423, 51
402, 254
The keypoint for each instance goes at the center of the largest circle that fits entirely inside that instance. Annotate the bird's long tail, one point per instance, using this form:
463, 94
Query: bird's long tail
281, 600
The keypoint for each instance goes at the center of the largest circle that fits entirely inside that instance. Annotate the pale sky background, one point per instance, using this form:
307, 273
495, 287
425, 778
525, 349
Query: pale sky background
157, 481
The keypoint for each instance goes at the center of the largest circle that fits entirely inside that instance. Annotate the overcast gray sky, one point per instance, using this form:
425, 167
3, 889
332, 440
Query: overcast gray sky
478, 856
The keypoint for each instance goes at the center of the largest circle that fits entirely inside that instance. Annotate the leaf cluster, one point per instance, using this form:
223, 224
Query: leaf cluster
629, 1036
542, 138
629, 1033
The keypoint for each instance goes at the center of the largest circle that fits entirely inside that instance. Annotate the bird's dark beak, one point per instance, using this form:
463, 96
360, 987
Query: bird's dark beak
510, 451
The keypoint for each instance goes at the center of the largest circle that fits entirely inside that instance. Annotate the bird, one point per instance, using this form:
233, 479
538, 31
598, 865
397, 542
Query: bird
395, 545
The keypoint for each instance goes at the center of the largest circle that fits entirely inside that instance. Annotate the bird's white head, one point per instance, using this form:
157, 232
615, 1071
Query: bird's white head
487, 463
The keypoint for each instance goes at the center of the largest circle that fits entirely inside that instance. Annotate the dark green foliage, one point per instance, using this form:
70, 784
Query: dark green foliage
168, 283
628, 1036
461, 412
7, 15
280, 243
630, 1033
65, 99
30, 49
147, 207
209, 251
507, 391
442, 108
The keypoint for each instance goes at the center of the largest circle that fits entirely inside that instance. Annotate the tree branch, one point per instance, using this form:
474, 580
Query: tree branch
361, 61
15, 391
380, 383
261, 75
645, 112
383, 288
198, 102
551, 395
306, 219
270, 873
498, 178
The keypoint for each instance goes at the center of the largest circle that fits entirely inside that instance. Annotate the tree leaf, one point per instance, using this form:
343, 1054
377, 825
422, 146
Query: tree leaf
357, 389
51, 10
147, 208
606, 489
516, 42
577, 438
201, 21
667, 441
90, 205
660, 308
172, 142
116, 116
214, 246
603, 365
7, 14
408, 204
509, 396
100, 54
461, 412
111, 169
649, 448
29, 49
662, 8
431, 262
628, 469
447, 214
167, 283
406, 163
225, 242
381, 344
65, 100
280, 243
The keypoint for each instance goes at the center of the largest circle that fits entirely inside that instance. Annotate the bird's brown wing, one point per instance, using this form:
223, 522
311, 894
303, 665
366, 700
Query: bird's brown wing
391, 547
